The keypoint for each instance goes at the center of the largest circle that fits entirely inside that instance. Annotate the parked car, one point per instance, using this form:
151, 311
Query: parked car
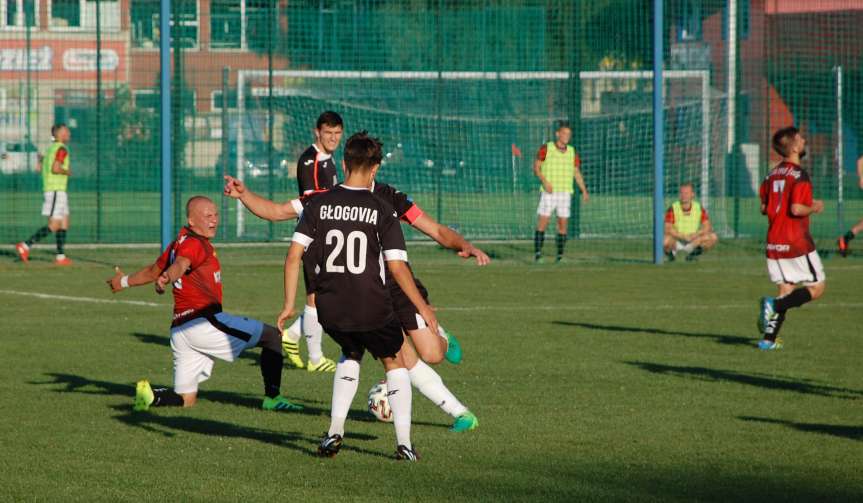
17, 157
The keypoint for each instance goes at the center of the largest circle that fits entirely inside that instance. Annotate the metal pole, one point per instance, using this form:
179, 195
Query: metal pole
658, 135
732, 164
270, 229
99, 120
225, 148
840, 151
165, 123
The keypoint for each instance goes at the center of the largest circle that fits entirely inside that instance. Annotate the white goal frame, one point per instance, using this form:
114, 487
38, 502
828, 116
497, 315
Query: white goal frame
244, 75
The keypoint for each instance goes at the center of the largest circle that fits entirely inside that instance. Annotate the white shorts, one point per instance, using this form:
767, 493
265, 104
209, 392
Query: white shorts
56, 205
805, 269
555, 201
197, 342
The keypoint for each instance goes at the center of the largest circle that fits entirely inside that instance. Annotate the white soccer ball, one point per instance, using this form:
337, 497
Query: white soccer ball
379, 406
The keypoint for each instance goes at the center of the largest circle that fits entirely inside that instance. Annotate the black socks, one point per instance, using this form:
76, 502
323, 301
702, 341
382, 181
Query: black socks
538, 241
849, 236
61, 240
794, 299
561, 244
165, 397
271, 371
38, 235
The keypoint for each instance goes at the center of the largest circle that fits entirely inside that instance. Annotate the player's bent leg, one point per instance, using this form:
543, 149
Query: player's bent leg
431, 347
271, 371
291, 342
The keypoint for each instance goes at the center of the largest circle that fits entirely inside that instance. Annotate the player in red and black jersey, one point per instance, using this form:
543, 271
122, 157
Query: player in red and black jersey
786, 200
200, 330
432, 347
316, 172
350, 234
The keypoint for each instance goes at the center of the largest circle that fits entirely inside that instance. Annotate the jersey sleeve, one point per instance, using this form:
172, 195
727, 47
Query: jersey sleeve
540, 154
704, 216
576, 160
802, 192
192, 249
392, 239
164, 258
669, 216
304, 233
306, 174
405, 207
61, 154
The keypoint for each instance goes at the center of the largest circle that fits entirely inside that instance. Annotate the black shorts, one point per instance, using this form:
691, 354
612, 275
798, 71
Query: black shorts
381, 343
405, 310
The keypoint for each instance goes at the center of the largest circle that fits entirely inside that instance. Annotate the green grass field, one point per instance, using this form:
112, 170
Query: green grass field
592, 380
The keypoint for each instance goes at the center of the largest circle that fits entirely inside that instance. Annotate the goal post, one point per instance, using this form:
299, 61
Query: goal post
396, 94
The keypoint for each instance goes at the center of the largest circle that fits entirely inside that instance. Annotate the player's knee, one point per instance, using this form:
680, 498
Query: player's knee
817, 290
271, 339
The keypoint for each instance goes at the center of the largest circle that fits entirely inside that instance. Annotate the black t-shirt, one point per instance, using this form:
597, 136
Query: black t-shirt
316, 171
350, 234
407, 211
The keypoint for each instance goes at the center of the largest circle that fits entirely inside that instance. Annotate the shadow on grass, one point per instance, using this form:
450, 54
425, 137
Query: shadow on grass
836, 430
718, 338
802, 386
78, 384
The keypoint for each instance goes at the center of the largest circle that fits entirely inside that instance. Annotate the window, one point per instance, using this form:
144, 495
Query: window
81, 14
145, 23
689, 21
228, 17
216, 100
146, 99
19, 13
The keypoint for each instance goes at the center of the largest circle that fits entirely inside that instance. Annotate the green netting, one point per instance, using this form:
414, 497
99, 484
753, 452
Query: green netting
462, 93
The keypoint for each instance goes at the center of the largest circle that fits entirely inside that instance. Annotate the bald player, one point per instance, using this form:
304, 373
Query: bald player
200, 331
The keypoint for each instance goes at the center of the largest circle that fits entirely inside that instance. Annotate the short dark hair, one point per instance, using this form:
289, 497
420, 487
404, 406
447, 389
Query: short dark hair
362, 152
687, 184
57, 127
329, 118
563, 124
782, 140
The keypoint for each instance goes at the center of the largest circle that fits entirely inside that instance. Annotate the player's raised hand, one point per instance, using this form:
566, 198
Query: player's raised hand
114, 282
472, 251
286, 314
233, 187
817, 206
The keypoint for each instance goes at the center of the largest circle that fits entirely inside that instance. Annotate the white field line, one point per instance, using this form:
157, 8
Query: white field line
562, 308
91, 300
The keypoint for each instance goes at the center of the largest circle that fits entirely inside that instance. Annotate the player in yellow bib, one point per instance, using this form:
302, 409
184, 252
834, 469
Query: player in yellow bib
688, 227
54, 166
556, 164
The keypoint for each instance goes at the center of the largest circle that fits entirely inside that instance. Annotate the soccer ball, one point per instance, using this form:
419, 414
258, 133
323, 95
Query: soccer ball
379, 406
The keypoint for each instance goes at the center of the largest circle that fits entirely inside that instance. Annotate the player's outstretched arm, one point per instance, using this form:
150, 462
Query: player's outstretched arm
405, 280
260, 206
120, 281
173, 273
449, 238
292, 274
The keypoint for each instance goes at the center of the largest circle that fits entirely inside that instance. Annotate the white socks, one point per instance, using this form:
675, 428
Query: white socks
345, 384
295, 331
399, 395
688, 248
430, 384
314, 333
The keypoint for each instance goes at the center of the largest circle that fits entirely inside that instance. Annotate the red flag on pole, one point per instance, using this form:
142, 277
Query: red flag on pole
516, 151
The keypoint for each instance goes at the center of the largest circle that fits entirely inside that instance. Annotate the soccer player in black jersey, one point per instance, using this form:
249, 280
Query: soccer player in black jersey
432, 348
354, 233
316, 172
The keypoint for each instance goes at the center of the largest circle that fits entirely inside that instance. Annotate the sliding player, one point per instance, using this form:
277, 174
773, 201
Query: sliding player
200, 331
432, 348
349, 234
316, 171
786, 199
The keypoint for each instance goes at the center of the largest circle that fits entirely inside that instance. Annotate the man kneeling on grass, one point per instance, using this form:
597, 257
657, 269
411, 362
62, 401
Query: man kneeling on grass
200, 331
